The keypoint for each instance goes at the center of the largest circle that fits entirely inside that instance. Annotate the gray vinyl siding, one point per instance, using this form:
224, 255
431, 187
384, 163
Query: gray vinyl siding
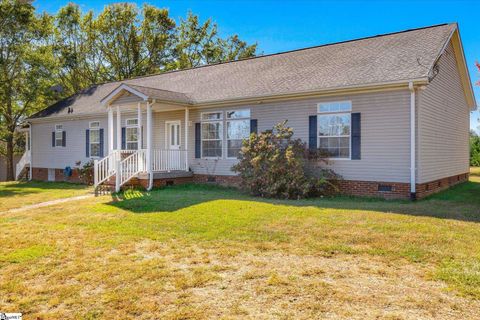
443, 124
384, 148
46, 156
385, 134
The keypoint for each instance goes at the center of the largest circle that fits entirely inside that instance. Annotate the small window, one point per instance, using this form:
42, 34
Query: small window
58, 135
212, 134
132, 122
94, 143
334, 122
131, 133
212, 116
238, 129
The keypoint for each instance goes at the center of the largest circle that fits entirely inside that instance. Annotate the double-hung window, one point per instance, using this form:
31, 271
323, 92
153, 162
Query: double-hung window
334, 123
212, 134
131, 134
58, 135
94, 135
238, 129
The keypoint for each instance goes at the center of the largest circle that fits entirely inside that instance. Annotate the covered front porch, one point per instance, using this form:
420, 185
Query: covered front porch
147, 136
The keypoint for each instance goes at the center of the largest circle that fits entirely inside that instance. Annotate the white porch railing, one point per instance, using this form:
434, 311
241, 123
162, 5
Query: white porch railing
169, 160
132, 166
126, 164
24, 160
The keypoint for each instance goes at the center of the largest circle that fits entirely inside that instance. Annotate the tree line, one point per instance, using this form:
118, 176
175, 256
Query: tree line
46, 57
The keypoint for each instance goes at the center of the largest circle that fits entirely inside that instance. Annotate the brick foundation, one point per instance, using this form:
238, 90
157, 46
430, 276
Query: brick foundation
371, 189
230, 181
398, 190
387, 190
41, 174
426, 189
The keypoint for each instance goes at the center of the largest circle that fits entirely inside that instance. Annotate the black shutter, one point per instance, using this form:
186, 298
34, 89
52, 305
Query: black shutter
87, 143
53, 139
253, 126
64, 138
312, 133
101, 143
356, 132
124, 138
198, 141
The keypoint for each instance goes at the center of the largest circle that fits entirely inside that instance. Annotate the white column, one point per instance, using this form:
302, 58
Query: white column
119, 129
110, 130
149, 144
140, 133
186, 139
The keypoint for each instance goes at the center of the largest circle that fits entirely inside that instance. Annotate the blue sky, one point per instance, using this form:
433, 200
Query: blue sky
285, 25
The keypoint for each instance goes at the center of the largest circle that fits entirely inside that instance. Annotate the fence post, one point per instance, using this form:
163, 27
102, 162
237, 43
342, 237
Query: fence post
95, 173
118, 174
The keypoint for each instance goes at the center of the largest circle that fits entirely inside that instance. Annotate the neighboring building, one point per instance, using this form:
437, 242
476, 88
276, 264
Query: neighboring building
356, 99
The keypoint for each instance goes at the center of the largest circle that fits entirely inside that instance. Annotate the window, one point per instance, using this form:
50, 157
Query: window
334, 121
212, 133
58, 135
131, 134
94, 143
238, 128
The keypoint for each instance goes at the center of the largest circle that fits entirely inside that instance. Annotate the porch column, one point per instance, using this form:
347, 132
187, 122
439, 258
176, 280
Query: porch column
110, 131
149, 145
186, 138
119, 129
140, 132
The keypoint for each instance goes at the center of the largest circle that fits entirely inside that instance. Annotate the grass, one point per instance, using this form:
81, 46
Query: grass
194, 252
18, 194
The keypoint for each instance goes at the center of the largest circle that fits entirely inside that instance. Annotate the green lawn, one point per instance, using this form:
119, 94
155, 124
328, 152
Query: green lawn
18, 194
202, 252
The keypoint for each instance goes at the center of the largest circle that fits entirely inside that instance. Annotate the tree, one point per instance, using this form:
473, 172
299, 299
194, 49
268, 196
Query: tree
25, 68
198, 44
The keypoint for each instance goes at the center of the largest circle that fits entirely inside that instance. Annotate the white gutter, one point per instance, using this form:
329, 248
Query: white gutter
412, 142
30, 151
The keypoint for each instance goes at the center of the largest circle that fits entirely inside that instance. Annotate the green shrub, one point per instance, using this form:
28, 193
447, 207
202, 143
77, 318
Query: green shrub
274, 165
475, 151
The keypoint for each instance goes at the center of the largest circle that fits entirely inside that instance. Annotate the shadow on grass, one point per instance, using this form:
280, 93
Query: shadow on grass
461, 202
9, 189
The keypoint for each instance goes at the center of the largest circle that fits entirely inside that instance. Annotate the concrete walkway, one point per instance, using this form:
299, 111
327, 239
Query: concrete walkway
49, 203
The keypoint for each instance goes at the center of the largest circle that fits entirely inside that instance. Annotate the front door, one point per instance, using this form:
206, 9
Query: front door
173, 154
173, 135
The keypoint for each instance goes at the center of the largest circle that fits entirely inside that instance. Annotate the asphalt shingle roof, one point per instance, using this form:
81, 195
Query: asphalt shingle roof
392, 57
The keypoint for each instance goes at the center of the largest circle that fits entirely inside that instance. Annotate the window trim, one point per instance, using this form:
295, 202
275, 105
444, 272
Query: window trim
90, 128
227, 120
339, 112
221, 134
61, 134
130, 126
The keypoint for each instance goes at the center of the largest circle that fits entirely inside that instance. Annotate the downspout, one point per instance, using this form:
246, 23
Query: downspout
413, 191
149, 146
30, 167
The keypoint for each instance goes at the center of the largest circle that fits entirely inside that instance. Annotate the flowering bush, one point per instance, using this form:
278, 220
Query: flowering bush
86, 173
274, 165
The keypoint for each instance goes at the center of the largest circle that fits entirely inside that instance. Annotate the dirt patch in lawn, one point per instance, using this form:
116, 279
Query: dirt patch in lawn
211, 283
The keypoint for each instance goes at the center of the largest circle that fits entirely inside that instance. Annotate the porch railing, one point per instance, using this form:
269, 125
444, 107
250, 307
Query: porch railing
126, 164
169, 160
22, 163
132, 165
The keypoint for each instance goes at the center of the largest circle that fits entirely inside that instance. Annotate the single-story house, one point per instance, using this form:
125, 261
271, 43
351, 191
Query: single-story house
391, 110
